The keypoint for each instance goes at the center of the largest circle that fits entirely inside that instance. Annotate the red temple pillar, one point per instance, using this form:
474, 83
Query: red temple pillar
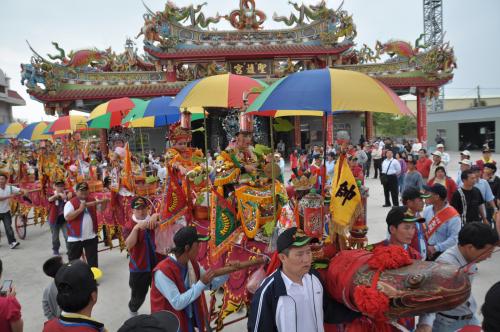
329, 129
369, 130
296, 124
422, 117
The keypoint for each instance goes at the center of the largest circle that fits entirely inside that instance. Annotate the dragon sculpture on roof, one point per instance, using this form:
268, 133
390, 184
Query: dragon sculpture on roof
305, 12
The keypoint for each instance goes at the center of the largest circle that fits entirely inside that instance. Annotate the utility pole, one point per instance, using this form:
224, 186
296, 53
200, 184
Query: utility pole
477, 102
434, 34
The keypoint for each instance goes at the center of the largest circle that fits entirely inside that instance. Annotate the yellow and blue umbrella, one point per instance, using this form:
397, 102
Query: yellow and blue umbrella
34, 132
11, 130
156, 112
326, 91
223, 91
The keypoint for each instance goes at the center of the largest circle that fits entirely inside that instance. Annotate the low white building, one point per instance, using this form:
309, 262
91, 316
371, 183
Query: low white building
8, 98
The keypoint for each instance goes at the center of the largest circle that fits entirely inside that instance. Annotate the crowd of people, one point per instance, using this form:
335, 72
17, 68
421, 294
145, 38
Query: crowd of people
433, 217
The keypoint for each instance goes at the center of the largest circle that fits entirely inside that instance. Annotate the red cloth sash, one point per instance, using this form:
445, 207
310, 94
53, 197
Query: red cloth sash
440, 219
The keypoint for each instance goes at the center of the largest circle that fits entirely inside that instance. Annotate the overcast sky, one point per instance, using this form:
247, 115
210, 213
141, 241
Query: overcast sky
472, 27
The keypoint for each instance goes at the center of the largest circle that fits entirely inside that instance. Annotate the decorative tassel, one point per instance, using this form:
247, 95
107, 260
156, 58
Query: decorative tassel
389, 257
273, 264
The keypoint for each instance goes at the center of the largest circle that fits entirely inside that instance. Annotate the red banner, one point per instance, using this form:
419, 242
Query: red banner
329, 130
422, 118
296, 125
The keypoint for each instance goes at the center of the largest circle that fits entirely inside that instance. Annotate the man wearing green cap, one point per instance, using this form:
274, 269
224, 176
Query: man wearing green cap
290, 299
401, 224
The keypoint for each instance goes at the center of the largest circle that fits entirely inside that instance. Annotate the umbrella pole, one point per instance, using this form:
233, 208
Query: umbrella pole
206, 159
323, 176
142, 145
273, 176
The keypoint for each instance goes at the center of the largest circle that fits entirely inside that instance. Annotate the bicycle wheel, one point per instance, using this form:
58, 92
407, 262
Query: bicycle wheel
20, 221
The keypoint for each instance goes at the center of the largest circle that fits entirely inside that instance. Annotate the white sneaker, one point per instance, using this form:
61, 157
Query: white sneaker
13, 245
132, 313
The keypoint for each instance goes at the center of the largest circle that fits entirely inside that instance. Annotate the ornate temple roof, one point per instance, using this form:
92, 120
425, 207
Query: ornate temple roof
176, 53
250, 52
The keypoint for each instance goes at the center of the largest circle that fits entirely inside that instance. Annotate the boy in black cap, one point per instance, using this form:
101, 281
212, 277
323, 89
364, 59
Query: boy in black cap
179, 282
49, 302
161, 321
401, 225
290, 299
76, 295
56, 215
140, 243
413, 198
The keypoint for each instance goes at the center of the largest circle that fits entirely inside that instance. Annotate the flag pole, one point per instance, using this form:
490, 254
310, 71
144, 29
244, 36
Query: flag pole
206, 160
273, 176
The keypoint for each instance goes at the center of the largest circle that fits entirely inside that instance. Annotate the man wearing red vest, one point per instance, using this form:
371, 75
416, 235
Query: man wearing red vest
80, 213
56, 216
140, 243
179, 282
77, 296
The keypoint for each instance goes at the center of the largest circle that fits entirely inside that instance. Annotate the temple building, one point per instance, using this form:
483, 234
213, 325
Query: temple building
179, 47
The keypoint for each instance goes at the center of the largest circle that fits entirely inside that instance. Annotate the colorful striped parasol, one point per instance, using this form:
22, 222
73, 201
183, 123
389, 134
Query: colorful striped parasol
34, 131
67, 125
223, 91
152, 113
157, 112
111, 113
10, 130
316, 92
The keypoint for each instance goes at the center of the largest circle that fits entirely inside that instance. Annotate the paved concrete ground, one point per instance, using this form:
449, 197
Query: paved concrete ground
24, 266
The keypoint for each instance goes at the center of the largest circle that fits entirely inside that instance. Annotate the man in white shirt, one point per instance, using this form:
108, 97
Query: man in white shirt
476, 242
80, 214
6, 193
281, 147
377, 159
445, 157
290, 299
415, 148
465, 164
162, 171
391, 168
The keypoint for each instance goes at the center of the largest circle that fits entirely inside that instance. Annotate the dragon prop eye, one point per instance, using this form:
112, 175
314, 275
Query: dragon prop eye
415, 280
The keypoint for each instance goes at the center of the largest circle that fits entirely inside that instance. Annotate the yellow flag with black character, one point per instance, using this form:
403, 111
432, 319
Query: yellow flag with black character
345, 204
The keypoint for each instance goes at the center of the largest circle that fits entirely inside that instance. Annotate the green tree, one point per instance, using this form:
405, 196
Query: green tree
394, 125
